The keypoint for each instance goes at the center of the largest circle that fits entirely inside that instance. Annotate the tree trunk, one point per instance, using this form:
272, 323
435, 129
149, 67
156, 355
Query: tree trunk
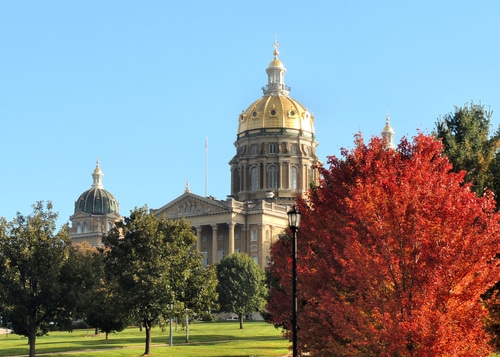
32, 341
147, 327
187, 326
107, 336
240, 317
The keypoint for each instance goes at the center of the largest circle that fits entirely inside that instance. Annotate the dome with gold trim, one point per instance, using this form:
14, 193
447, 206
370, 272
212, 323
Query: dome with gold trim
276, 112
97, 200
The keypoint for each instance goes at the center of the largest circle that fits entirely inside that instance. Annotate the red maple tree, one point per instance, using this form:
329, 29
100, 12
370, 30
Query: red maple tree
394, 252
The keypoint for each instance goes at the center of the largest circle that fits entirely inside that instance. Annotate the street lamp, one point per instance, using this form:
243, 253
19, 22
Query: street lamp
293, 223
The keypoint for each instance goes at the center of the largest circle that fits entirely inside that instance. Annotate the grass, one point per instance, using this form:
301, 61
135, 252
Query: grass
221, 339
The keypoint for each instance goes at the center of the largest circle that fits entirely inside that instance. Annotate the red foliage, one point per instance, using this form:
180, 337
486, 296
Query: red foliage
394, 251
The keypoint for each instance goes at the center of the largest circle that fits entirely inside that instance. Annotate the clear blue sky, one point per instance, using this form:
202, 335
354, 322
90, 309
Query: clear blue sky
139, 84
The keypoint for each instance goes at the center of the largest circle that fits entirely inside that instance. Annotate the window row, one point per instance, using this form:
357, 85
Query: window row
220, 256
83, 227
272, 177
273, 149
253, 236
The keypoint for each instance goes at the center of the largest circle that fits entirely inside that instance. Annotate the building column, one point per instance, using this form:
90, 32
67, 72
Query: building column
261, 254
231, 226
214, 244
198, 238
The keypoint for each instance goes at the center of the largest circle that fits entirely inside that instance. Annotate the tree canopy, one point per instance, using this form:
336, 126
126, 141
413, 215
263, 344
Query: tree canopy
148, 261
394, 252
470, 146
33, 257
241, 287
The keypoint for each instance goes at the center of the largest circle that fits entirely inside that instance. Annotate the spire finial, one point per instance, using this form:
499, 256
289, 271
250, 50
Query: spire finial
276, 45
186, 183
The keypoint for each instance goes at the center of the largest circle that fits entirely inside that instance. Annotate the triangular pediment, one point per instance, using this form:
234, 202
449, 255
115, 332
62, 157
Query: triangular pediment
191, 205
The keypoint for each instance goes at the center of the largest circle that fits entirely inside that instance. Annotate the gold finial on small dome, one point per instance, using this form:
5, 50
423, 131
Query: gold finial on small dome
276, 45
97, 166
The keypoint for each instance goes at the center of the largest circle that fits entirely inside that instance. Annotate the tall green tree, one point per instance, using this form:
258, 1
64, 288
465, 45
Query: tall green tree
470, 146
242, 289
33, 256
146, 266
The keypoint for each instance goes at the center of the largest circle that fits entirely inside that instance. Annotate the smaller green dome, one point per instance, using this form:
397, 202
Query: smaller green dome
97, 200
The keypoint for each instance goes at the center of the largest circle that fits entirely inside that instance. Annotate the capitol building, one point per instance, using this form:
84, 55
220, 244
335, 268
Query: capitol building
273, 164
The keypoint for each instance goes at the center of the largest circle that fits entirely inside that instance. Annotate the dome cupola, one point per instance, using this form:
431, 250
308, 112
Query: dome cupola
276, 110
97, 200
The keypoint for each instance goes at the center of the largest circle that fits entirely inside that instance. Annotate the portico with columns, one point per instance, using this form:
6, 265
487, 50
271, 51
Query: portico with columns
228, 226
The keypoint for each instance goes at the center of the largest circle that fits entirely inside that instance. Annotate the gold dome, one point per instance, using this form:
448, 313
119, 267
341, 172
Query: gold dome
275, 112
276, 63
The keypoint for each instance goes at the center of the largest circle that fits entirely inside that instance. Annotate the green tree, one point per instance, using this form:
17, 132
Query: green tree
33, 256
81, 276
469, 145
90, 293
199, 294
146, 266
241, 288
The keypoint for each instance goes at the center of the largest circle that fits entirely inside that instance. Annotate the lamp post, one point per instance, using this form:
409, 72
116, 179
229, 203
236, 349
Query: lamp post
293, 223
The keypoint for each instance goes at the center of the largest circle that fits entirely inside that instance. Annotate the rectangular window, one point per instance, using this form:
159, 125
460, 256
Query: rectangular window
254, 235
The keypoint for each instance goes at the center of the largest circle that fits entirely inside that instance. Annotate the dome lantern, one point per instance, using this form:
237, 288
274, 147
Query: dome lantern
97, 176
276, 76
388, 134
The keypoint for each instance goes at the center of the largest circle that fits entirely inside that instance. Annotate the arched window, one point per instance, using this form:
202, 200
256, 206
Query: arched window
78, 227
293, 149
85, 227
272, 148
293, 178
273, 176
254, 178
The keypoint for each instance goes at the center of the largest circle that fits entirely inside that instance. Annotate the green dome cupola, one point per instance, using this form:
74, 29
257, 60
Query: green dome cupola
97, 200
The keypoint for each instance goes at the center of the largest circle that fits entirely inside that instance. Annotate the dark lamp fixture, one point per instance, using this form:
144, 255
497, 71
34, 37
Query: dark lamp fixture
293, 218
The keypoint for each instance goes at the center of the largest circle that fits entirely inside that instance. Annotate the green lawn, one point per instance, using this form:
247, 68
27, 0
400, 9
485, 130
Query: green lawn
206, 339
